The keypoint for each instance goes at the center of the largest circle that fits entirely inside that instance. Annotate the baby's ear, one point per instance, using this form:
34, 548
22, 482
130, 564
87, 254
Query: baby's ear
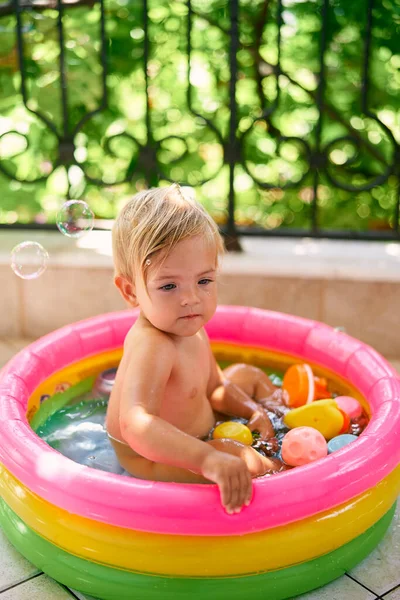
127, 289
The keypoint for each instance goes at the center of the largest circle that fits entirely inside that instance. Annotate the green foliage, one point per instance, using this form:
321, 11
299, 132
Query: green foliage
187, 127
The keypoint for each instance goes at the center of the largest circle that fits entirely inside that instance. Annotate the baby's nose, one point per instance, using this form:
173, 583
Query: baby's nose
190, 298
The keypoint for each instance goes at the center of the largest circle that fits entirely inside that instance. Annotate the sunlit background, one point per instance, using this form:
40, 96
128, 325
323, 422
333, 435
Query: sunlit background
301, 104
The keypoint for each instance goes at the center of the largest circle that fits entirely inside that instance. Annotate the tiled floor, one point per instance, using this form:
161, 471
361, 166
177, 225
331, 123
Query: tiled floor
376, 577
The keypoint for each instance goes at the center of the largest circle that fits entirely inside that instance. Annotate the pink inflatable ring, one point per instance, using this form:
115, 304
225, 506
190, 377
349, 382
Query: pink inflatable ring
114, 536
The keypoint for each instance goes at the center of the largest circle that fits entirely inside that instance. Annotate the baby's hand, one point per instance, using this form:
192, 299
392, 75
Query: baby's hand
260, 422
233, 478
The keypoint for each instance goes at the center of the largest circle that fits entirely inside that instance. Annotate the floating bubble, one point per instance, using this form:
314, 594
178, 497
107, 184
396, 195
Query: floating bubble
29, 260
75, 218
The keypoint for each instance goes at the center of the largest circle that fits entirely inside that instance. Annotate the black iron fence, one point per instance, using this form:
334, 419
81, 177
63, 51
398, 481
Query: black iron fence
281, 113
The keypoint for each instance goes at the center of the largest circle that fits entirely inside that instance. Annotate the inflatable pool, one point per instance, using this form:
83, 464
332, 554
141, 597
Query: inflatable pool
116, 537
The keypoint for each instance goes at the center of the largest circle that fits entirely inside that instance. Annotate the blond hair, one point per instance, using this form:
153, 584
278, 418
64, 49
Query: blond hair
155, 220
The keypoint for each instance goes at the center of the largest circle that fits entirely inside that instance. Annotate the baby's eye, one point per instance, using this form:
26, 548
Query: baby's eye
205, 281
168, 287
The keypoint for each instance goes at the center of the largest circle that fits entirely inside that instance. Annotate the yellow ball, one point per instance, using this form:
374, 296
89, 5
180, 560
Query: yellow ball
233, 431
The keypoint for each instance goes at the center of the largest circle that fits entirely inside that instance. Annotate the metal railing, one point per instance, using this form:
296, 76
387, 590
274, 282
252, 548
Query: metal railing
312, 150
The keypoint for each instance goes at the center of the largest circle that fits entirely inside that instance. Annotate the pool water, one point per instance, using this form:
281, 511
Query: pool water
77, 430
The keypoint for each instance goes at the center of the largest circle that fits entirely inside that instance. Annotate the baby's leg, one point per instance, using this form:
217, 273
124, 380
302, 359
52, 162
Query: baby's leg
161, 472
143, 468
254, 382
257, 464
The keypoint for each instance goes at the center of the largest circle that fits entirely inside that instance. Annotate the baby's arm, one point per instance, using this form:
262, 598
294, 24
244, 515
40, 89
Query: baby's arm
229, 399
149, 368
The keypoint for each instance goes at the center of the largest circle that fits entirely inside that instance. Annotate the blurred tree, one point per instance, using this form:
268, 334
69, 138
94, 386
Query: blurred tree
162, 120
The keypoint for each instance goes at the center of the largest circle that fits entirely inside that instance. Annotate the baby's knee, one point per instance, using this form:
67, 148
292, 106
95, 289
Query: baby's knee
243, 375
257, 464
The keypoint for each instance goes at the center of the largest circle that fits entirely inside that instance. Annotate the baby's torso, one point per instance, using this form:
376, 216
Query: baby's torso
185, 403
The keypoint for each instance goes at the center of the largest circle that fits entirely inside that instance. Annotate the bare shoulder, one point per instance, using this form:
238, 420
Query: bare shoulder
141, 342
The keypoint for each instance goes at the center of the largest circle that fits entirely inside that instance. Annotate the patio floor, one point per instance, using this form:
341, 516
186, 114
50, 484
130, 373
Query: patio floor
378, 576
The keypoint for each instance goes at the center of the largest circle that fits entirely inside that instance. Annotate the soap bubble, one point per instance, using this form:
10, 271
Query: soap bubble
75, 218
29, 260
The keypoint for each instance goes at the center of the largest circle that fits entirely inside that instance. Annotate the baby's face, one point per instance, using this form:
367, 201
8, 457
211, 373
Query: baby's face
181, 289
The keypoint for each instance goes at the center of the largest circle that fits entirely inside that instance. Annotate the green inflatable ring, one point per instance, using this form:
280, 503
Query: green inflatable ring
113, 584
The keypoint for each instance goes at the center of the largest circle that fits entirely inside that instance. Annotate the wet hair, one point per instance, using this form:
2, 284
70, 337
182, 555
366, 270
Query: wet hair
157, 220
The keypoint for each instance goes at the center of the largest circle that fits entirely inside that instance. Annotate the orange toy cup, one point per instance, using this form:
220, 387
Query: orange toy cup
302, 387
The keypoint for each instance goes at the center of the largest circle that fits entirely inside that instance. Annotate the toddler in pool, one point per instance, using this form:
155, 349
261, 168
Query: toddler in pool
168, 385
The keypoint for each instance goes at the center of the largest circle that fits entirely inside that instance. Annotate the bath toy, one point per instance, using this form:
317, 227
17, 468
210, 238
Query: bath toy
234, 431
340, 441
302, 386
358, 424
323, 415
303, 445
112, 536
104, 383
349, 405
346, 422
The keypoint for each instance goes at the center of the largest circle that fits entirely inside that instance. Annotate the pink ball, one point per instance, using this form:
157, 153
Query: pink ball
349, 405
302, 445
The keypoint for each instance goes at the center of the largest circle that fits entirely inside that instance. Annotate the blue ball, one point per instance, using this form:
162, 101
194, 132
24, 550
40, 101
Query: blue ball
340, 441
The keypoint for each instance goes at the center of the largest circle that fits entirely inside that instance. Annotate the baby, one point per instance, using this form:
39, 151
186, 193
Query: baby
168, 385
